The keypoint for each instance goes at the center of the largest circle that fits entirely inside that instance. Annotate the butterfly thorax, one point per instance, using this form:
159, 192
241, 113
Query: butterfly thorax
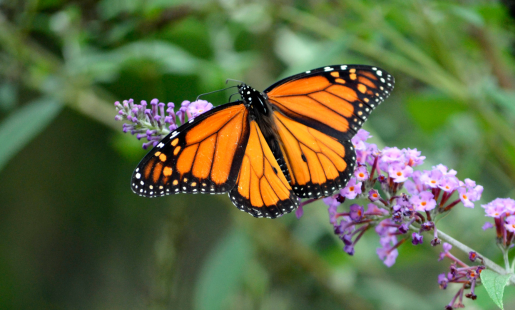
254, 100
260, 110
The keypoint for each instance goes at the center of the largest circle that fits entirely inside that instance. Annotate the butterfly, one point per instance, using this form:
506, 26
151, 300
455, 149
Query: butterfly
270, 148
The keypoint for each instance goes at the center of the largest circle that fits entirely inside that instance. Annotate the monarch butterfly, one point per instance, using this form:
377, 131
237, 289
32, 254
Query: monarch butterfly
269, 149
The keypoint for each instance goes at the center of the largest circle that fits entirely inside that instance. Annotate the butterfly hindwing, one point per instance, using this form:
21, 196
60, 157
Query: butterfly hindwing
335, 100
202, 156
262, 189
318, 163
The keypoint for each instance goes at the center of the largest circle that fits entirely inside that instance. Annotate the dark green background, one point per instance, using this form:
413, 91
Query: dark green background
74, 236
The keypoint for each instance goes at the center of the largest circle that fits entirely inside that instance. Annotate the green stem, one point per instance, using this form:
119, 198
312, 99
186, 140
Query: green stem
487, 262
504, 256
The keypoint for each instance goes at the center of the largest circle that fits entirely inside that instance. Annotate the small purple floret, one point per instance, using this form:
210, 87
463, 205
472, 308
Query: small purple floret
352, 189
416, 238
356, 212
154, 121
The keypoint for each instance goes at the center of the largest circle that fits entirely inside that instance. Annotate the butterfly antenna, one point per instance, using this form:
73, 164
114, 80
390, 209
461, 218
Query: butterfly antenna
232, 95
227, 81
215, 91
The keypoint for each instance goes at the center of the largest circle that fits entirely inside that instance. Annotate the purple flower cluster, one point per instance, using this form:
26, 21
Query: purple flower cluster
394, 213
350, 226
503, 212
467, 276
152, 122
409, 203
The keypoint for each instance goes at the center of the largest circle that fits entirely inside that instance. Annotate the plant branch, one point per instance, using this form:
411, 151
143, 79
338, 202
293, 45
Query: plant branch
487, 262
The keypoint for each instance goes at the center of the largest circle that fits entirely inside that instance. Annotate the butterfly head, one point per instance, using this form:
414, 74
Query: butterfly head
253, 98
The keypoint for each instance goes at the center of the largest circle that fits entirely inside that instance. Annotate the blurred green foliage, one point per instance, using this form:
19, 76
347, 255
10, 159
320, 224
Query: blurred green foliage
73, 235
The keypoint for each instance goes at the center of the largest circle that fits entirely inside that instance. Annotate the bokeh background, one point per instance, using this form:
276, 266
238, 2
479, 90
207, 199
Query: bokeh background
74, 236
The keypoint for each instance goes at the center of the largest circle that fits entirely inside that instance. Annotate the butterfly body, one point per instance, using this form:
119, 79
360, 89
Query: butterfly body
270, 148
260, 111
254, 99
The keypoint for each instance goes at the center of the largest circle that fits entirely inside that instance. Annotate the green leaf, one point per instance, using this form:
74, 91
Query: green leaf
494, 284
19, 128
222, 271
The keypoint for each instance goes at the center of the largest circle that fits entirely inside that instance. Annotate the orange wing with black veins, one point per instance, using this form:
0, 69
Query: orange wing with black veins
335, 100
318, 164
316, 114
202, 156
262, 189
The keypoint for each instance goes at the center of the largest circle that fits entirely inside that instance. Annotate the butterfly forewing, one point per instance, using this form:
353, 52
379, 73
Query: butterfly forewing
335, 100
262, 189
202, 156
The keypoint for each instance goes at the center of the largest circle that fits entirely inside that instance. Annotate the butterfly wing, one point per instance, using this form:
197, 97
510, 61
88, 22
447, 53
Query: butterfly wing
318, 164
335, 100
316, 114
204, 155
262, 189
